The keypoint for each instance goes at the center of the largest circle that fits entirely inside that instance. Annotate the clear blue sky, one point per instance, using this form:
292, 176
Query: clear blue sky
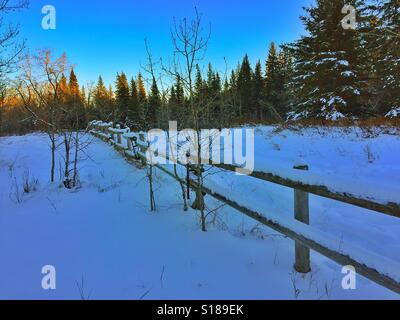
105, 37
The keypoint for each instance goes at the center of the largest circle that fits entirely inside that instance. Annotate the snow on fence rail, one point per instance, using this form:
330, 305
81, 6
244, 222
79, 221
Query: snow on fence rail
372, 266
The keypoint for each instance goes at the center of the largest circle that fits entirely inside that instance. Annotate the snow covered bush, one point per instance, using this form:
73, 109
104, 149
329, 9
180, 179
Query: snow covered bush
394, 113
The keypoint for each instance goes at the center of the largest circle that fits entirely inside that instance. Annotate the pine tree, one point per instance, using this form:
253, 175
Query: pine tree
272, 73
133, 106
286, 68
142, 95
73, 84
389, 62
326, 82
64, 91
258, 92
154, 105
122, 98
199, 84
142, 100
75, 101
216, 113
179, 91
244, 87
102, 101
275, 79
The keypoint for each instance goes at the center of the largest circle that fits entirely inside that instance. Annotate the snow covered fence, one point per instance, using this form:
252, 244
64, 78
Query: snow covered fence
378, 269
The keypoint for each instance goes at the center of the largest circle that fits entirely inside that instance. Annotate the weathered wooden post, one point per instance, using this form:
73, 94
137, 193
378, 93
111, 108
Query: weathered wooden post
301, 213
142, 148
129, 143
188, 176
118, 134
108, 132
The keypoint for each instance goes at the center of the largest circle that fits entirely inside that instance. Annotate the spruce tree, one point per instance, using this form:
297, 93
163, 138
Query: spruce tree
244, 87
142, 100
199, 85
122, 98
258, 92
272, 74
276, 77
389, 62
64, 90
102, 101
76, 101
73, 84
154, 105
133, 106
326, 82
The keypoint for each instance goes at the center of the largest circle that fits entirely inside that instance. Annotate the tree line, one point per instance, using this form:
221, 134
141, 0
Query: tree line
332, 72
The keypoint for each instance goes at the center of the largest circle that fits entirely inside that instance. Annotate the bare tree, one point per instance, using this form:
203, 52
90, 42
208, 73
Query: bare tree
39, 84
150, 69
10, 47
190, 42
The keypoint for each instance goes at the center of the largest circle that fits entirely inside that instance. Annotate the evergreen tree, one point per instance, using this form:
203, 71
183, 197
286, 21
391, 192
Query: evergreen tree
133, 106
244, 87
78, 114
142, 100
142, 95
275, 68
272, 73
154, 105
73, 84
199, 86
179, 91
389, 62
285, 75
326, 82
216, 112
258, 92
64, 92
102, 101
122, 98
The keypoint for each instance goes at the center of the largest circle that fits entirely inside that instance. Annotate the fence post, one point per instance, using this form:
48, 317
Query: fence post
188, 176
142, 148
109, 133
301, 213
129, 144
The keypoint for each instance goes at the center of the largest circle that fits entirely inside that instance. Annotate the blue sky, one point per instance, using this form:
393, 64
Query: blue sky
105, 37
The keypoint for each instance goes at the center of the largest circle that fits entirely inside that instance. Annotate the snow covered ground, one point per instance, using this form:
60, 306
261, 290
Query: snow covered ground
105, 243
364, 163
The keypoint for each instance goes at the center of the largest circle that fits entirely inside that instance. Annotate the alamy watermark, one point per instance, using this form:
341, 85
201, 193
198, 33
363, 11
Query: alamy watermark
349, 22
49, 21
208, 146
349, 280
49, 279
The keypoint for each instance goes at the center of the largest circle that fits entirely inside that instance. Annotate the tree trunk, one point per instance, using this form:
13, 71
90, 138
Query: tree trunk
76, 159
67, 181
53, 151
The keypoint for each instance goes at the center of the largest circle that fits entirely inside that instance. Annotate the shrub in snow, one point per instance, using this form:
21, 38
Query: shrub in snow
331, 114
294, 116
394, 113
327, 113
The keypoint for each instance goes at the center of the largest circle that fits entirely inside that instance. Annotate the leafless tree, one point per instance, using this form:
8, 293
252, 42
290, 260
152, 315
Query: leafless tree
150, 69
190, 42
39, 84
10, 46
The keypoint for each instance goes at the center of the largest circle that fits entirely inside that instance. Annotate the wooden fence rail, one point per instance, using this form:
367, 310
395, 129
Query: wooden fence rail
133, 146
